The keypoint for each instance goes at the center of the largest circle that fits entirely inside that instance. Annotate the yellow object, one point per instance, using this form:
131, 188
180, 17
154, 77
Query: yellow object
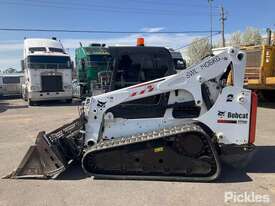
253, 81
270, 80
158, 149
260, 67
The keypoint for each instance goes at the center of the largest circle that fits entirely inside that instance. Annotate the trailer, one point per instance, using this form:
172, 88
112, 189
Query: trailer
11, 84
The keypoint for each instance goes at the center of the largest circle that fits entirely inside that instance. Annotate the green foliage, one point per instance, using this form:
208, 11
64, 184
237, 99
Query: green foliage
251, 36
235, 39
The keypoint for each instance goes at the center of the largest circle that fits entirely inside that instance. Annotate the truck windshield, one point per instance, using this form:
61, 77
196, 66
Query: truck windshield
52, 49
138, 67
100, 58
11, 80
49, 62
37, 49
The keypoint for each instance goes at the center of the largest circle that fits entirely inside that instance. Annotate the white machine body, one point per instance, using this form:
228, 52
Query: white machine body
228, 117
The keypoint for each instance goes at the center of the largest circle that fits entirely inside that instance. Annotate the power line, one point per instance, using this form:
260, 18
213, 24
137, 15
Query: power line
97, 8
222, 19
211, 21
174, 4
202, 39
100, 6
104, 31
155, 3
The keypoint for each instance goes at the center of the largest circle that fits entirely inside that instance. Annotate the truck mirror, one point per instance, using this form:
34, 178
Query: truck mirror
22, 65
82, 64
72, 64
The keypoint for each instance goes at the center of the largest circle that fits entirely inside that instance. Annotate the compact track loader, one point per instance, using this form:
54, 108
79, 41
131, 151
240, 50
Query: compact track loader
178, 127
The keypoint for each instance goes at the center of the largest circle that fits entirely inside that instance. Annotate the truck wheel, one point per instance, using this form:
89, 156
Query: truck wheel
31, 103
69, 101
25, 96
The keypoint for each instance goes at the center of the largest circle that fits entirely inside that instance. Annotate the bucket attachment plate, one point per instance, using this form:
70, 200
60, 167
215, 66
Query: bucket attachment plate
52, 152
39, 162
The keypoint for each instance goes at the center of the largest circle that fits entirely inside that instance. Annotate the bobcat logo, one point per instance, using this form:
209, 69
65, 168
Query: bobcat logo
101, 104
221, 114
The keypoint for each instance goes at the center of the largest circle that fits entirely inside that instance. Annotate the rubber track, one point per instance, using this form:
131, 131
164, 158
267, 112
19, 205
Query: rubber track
143, 137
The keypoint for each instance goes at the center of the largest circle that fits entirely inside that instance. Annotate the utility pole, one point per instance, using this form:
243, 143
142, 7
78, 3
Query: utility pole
222, 19
211, 22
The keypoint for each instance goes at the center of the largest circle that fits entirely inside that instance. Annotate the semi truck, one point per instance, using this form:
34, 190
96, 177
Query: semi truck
47, 70
119, 67
90, 60
93, 64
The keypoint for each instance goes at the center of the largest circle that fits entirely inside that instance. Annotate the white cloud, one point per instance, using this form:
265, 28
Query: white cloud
168, 40
11, 45
152, 29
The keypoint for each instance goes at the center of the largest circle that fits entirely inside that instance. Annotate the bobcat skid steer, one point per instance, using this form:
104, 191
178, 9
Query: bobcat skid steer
178, 127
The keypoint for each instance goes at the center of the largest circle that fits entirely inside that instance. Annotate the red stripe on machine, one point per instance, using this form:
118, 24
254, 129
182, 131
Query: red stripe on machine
146, 83
227, 121
150, 88
142, 92
133, 94
253, 117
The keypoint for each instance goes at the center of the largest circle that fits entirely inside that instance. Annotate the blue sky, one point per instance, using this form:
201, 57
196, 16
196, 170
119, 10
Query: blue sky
123, 15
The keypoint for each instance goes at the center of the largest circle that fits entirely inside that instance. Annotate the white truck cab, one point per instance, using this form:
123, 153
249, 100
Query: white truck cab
47, 70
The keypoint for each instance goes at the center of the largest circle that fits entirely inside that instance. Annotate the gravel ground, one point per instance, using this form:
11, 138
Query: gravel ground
19, 125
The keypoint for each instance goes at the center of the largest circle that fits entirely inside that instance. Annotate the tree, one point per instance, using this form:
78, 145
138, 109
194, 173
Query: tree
217, 44
235, 39
198, 49
9, 71
251, 36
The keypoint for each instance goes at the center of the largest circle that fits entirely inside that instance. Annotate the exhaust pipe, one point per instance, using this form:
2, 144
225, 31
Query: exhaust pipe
268, 38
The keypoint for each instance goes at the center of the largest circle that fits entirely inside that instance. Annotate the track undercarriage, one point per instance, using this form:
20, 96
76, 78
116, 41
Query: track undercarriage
183, 152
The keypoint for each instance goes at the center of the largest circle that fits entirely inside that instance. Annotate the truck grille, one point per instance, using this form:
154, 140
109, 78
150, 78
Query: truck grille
51, 83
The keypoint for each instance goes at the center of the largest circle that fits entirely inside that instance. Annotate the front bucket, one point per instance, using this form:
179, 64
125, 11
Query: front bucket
40, 161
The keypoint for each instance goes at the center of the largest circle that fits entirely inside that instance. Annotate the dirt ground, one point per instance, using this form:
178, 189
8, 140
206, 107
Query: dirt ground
19, 125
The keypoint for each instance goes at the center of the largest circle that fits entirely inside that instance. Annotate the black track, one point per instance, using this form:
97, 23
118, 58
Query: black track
179, 153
